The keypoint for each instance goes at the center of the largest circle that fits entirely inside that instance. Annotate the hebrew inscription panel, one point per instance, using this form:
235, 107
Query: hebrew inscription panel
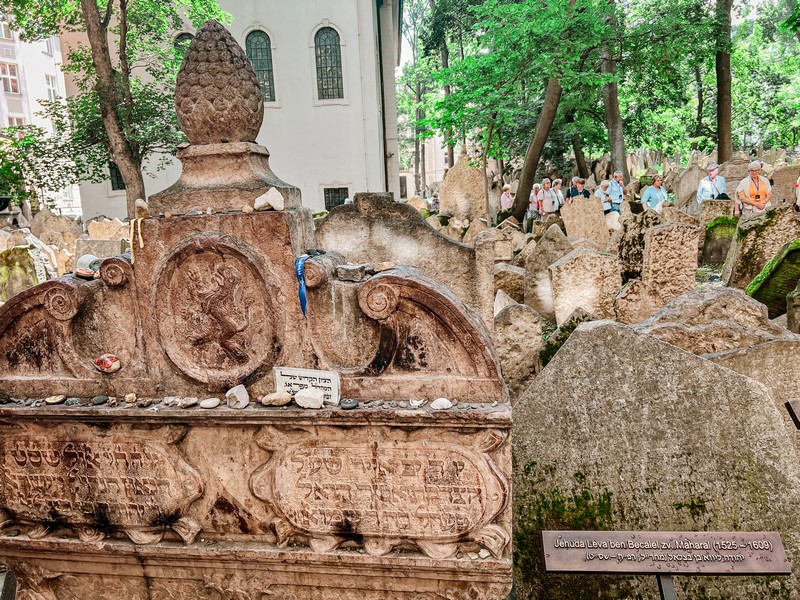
78, 479
396, 489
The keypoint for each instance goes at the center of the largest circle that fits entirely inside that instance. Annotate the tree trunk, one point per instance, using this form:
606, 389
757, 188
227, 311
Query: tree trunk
544, 124
580, 158
577, 147
723, 70
445, 65
698, 129
616, 138
485, 174
419, 146
121, 153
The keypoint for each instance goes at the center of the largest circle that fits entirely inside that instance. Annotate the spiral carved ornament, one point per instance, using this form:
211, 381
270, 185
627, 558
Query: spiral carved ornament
379, 301
61, 303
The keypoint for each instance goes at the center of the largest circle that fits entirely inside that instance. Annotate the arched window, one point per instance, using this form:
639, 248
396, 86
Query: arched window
181, 44
328, 52
259, 51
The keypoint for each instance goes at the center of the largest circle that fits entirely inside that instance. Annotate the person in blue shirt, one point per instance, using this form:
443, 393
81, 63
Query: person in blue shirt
616, 190
711, 186
655, 195
602, 193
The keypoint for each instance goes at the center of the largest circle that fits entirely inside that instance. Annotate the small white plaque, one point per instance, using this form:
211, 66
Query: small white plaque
293, 380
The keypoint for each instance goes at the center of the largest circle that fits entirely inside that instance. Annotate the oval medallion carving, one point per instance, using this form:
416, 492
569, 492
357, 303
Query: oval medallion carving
215, 316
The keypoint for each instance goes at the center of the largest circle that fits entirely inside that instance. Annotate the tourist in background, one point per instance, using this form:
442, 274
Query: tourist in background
548, 199
579, 191
533, 203
655, 195
602, 193
616, 190
711, 185
559, 194
506, 200
571, 187
754, 192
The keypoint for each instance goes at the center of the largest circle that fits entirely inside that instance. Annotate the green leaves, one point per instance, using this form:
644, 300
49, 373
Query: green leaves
143, 92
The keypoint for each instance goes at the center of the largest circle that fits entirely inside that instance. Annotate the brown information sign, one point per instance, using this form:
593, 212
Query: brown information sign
665, 552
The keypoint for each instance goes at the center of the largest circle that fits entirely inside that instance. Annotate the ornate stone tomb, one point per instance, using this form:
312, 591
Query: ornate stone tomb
125, 485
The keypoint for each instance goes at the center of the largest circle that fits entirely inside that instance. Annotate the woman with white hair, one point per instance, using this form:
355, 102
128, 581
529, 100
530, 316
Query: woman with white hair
602, 193
506, 200
548, 199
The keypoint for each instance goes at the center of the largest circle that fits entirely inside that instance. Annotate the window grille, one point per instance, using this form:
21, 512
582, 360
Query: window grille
335, 197
259, 51
328, 52
117, 183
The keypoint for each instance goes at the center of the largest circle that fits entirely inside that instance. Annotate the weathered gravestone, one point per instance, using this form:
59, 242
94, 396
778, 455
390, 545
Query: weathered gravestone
776, 365
462, 193
711, 320
20, 268
717, 239
585, 279
376, 229
552, 246
757, 239
669, 267
778, 277
793, 310
670, 214
511, 280
685, 185
734, 171
100, 248
47, 226
712, 209
783, 187
628, 241
584, 219
518, 338
255, 501
107, 229
623, 432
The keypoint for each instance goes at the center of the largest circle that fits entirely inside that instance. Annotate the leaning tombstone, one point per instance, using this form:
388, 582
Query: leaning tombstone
123, 477
778, 278
758, 238
784, 184
717, 239
538, 291
20, 269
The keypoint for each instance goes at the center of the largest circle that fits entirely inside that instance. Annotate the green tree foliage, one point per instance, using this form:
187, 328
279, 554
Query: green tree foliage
503, 52
124, 111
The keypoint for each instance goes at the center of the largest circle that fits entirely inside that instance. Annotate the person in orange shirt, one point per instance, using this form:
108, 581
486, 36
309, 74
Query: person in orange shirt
754, 192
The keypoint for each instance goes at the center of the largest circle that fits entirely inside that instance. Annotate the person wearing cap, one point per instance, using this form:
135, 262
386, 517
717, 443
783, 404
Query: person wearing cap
712, 185
754, 192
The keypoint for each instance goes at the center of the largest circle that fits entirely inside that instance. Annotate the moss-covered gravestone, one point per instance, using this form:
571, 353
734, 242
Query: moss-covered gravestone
624, 432
20, 268
777, 279
718, 236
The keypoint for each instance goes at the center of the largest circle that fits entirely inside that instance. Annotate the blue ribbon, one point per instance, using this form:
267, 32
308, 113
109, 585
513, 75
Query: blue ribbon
300, 272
